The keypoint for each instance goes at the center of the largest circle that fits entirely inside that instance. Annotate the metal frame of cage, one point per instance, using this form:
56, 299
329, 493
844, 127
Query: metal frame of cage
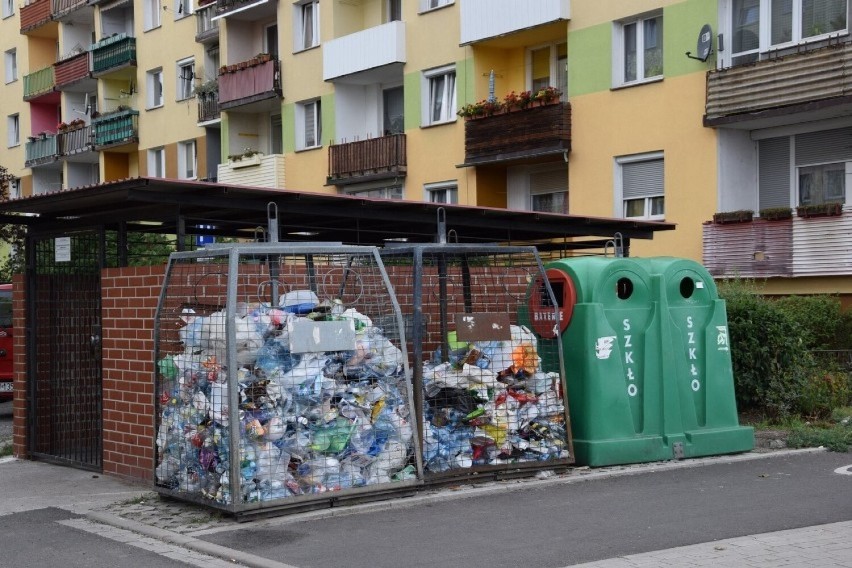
172, 394
422, 315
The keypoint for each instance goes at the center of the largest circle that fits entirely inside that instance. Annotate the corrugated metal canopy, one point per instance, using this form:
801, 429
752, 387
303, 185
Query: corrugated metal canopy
178, 207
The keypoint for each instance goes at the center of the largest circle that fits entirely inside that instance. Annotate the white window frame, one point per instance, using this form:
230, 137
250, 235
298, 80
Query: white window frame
8, 8
429, 5
13, 130
449, 188
153, 79
554, 67
183, 8
448, 96
185, 85
153, 155
618, 45
152, 16
618, 189
14, 188
382, 189
300, 31
187, 159
302, 117
847, 174
11, 65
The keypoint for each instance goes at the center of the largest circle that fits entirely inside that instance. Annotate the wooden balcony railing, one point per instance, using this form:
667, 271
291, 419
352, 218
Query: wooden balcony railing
63, 7
208, 107
34, 14
75, 141
244, 83
116, 128
518, 135
112, 52
206, 28
40, 150
39, 83
71, 70
376, 157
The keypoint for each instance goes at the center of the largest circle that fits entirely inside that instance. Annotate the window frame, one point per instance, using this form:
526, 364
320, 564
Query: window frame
13, 126
182, 149
432, 5
152, 17
8, 9
620, 202
185, 87
183, 9
843, 166
299, 27
11, 55
451, 187
153, 153
428, 77
150, 87
381, 186
618, 47
553, 63
301, 124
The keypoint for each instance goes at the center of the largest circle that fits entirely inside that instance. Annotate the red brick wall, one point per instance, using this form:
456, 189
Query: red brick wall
19, 406
130, 298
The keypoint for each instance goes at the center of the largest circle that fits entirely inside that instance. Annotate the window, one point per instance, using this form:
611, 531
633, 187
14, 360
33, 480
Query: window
639, 186
394, 10
309, 118
549, 190
306, 20
157, 162
183, 8
13, 130
445, 192
548, 67
381, 192
11, 63
638, 50
825, 183
154, 82
14, 188
270, 40
276, 135
185, 77
152, 8
426, 5
187, 160
8, 8
393, 111
757, 26
440, 101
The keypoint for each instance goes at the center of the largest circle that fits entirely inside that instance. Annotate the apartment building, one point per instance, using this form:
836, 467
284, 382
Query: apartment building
674, 110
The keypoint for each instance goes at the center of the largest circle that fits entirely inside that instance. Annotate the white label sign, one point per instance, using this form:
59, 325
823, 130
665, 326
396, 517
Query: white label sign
62, 249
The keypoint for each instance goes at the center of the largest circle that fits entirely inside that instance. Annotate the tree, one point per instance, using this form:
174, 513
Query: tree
11, 236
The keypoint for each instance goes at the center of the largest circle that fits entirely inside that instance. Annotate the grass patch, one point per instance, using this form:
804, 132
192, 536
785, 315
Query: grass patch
6, 450
835, 437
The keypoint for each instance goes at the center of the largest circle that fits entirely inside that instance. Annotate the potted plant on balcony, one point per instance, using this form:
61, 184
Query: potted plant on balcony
263, 57
471, 111
76, 124
62, 127
547, 95
207, 89
776, 213
819, 210
739, 216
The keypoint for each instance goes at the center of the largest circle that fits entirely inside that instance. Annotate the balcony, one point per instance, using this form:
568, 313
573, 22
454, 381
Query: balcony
72, 71
113, 53
206, 28
40, 150
62, 8
208, 107
519, 135
373, 48
35, 14
245, 9
256, 171
77, 141
794, 247
116, 128
376, 158
245, 84
485, 19
39, 84
812, 81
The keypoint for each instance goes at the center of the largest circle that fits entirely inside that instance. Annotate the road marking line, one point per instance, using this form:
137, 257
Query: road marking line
845, 470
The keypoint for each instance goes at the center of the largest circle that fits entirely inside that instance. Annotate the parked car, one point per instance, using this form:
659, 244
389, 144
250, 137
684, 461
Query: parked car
6, 340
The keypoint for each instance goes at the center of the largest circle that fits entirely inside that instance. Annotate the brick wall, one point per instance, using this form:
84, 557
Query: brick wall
19, 412
130, 298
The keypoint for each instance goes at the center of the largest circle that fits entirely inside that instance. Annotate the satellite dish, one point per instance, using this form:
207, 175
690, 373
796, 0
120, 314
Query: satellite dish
704, 46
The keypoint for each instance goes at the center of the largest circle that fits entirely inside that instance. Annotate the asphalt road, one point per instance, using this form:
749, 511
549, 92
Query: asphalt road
560, 525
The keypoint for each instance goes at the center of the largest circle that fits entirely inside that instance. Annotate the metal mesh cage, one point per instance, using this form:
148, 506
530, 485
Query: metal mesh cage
281, 378
489, 387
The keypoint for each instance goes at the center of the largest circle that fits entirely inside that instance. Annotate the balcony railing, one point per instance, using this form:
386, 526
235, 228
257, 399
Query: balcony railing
811, 79
63, 7
483, 19
207, 29
518, 135
72, 70
361, 51
208, 107
75, 141
227, 6
244, 83
115, 51
39, 83
257, 171
40, 150
787, 248
373, 158
121, 127
34, 14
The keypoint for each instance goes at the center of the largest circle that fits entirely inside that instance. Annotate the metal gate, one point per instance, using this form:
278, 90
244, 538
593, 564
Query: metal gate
64, 372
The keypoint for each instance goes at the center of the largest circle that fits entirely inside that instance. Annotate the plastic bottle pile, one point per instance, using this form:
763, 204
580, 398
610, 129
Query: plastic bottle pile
492, 404
308, 423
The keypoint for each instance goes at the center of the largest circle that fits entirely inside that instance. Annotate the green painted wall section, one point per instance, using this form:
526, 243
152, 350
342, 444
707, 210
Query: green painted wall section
413, 91
224, 127
288, 126
328, 118
411, 84
590, 49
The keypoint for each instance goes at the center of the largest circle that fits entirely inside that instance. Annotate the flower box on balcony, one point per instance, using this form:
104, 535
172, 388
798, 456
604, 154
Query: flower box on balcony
740, 216
776, 213
819, 210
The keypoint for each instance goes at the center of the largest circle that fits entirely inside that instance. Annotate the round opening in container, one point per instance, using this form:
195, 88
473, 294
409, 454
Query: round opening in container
624, 288
687, 287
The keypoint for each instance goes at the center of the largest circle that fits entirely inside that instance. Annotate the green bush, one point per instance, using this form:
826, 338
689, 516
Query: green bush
823, 392
820, 319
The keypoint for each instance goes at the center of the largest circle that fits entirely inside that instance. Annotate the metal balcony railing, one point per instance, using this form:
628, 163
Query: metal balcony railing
34, 14
374, 157
73, 69
63, 7
75, 141
39, 83
112, 52
206, 27
244, 83
208, 107
116, 128
40, 150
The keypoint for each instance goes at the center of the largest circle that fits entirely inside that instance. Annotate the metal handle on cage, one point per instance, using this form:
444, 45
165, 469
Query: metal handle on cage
617, 244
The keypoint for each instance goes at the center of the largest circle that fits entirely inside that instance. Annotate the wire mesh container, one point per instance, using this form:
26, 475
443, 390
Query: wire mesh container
281, 378
489, 387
